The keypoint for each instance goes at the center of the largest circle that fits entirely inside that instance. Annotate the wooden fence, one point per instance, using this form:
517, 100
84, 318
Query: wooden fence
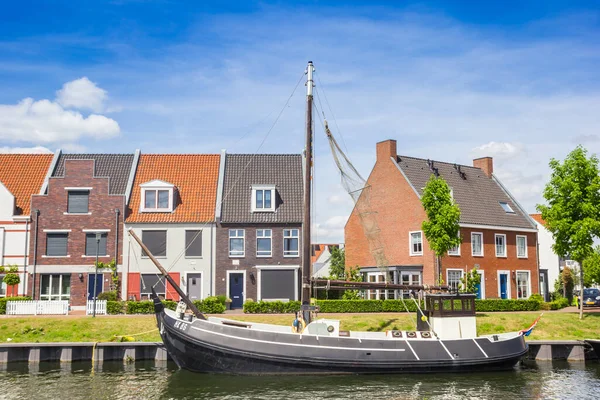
37, 307
100, 307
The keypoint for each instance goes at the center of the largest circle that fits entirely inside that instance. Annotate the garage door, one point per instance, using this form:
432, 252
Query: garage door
277, 284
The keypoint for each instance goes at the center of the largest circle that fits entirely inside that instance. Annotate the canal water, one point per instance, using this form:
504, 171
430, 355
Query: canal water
541, 380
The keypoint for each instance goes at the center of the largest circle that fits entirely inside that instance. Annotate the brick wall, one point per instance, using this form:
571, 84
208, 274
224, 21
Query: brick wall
53, 206
225, 263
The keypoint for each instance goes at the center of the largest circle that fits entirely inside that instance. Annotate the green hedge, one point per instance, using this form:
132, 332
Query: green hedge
375, 306
559, 303
210, 305
3, 301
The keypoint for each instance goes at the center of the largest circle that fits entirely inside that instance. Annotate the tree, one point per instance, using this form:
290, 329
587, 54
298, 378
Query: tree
443, 215
352, 275
591, 268
564, 283
573, 211
12, 278
337, 269
469, 282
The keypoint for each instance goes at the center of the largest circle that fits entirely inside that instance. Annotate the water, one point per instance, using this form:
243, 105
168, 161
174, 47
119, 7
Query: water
558, 380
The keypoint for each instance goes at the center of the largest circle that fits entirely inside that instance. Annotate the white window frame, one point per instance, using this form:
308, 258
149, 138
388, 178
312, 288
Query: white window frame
291, 236
410, 243
528, 282
472, 251
155, 186
508, 284
264, 188
496, 235
457, 252
270, 237
481, 282
243, 237
525, 255
462, 275
146, 295
61, 296
387, 294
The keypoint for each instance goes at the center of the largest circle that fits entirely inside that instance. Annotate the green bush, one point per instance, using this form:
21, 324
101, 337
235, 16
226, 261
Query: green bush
375, 306
3, 301
109, 296
558, 304
115, 307
146, 307
222, 298
211, 305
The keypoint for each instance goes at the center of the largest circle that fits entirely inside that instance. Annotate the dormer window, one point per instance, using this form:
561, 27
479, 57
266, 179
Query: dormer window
506, 207
263, 198
157, 196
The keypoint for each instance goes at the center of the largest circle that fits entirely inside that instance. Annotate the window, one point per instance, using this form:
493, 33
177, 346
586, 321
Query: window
455, 251
78, 202
56, 244
379, 294
416, 243
193, 243
477, 244
2, 286
523, 284
236, 243
90, 244
157, 200
521, 246
291, 242
156, 242
500, 245
55, 287
453, 277
263, 198
263, 242
506, 207
149, 281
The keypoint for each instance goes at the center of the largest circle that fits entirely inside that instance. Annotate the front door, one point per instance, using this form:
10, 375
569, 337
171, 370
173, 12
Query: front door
194, 286
544, 284
503, 286
236, 290
94, 280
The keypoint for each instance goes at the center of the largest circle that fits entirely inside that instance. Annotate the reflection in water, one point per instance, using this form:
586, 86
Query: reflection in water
145, 381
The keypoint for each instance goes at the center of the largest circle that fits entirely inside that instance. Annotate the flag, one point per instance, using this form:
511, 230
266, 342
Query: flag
527, 332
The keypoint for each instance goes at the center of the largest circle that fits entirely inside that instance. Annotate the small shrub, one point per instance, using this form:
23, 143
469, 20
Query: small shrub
211, 305
115, 307
109, 296
222, 299
559, 304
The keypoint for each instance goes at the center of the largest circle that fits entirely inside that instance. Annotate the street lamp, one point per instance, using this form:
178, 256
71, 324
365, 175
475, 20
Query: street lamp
98, 236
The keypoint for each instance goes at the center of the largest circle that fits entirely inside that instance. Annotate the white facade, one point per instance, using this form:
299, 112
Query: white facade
175, 259
14, 235
547, 258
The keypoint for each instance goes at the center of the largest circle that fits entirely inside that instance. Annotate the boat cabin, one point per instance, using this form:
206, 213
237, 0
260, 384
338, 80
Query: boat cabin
450, 316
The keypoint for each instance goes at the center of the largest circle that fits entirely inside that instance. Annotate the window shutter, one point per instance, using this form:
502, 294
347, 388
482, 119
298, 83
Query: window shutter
90, 244
277, 284
56, 244
78, 202
193, 249
156, 241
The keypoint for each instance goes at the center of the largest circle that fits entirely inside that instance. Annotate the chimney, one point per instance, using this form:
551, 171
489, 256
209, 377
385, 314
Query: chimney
386, 149
486, 164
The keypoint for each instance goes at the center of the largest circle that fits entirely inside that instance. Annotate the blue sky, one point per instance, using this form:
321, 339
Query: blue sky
448, 80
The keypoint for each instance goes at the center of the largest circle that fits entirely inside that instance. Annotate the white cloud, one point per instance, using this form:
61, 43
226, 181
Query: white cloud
82, 94
500, 150
25, 150
44, 121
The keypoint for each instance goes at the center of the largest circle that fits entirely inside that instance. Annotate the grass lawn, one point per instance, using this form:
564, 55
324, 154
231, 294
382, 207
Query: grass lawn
552, 326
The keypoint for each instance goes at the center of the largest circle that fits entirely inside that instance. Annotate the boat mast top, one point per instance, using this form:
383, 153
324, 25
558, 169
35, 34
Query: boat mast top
306, 246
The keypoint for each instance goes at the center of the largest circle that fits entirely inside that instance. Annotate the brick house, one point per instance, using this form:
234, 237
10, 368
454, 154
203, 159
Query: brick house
85, 196
21, 175
259, 224
499, 239
172, 210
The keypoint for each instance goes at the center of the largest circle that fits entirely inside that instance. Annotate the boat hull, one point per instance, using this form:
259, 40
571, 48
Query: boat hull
204, 346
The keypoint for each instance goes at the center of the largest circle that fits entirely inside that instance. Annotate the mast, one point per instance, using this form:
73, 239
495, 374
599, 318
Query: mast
306, 247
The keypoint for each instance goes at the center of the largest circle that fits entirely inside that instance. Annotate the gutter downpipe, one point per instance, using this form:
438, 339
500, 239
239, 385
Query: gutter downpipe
26, 253
35, 247
117, 212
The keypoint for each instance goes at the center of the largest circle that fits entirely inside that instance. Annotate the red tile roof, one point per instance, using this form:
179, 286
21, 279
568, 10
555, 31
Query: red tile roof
318, 249
23, 175
538, 218
194, 175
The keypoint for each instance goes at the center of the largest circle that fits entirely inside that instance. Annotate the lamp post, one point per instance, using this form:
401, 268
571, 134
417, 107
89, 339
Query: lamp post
98, 236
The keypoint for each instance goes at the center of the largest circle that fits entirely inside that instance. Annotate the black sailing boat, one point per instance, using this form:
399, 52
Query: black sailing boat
445, 339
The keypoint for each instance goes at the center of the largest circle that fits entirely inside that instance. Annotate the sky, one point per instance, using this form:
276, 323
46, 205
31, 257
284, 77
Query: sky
450, 81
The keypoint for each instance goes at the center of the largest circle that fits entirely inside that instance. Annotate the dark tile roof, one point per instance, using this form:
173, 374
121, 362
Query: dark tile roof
115, 166
477, 196
244, 170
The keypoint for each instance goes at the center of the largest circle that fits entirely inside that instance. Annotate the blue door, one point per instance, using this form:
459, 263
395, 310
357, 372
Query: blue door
503, 288
478, 288
236, 290
97, 280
